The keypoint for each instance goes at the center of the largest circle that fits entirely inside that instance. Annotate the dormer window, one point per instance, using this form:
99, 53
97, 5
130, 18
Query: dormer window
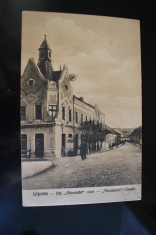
66, 87
49, 54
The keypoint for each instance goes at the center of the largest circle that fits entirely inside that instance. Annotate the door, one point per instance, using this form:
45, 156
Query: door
39, 145
23, 145
63, 153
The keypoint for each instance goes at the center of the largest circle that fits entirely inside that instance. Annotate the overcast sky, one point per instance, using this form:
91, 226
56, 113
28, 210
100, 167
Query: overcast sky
103, 52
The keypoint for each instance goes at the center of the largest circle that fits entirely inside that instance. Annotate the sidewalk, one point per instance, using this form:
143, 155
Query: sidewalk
30, 168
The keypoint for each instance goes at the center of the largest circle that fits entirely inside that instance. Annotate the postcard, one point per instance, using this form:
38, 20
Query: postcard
81, 110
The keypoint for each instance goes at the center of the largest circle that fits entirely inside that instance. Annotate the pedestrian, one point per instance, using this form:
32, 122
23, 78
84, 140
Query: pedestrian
83, 152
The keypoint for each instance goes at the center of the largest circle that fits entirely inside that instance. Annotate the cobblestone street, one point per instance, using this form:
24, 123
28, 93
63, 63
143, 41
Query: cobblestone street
120, 166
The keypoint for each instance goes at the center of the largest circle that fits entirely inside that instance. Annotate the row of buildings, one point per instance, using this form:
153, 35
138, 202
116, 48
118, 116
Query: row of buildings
55, 122
136, 136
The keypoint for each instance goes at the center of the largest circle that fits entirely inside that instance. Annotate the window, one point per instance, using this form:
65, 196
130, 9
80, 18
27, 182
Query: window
66, 86
70, 135
42, 54
23, 142
52, 109
63, 113
49, 54
31, 82
23, 113
76, 114
81, 117
86, 118
69, 115
38, 112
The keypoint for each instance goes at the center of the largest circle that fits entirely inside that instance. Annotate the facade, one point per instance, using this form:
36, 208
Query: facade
54, 122
119, 132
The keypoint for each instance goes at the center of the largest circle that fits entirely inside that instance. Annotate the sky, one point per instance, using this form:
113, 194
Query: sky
103, 53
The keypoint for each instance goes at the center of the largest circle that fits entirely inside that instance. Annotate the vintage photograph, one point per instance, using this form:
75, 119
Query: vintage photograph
81, 111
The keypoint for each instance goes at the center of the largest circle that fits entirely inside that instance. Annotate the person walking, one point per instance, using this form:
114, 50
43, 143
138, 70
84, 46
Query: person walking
82, 152
83, 149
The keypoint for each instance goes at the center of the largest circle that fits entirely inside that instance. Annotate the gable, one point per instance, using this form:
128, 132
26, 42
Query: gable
65, 83
32, 80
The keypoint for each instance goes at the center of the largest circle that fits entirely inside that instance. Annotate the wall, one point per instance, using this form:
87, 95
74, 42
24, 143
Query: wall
49, 140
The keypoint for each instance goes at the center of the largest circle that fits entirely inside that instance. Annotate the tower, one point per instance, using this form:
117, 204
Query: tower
44, 62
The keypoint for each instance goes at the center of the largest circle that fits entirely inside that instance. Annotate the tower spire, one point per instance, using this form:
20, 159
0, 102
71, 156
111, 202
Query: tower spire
44, 62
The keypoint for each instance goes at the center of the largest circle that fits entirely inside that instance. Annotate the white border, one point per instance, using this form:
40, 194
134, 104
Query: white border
73, 196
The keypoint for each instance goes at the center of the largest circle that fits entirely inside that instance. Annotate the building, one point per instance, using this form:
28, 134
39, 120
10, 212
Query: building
136, 136
119, 132
112, 137
54, 122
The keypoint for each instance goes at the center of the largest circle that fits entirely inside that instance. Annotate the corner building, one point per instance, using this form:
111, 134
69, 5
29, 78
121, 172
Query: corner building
53, 120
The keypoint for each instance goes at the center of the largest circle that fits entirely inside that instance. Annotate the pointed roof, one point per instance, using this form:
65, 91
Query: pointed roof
137, 131
45, 44
32, 70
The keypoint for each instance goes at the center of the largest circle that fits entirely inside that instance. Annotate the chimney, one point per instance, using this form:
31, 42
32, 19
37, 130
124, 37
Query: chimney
81, 98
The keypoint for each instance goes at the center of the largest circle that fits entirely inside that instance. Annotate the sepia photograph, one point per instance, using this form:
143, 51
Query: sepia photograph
81, 109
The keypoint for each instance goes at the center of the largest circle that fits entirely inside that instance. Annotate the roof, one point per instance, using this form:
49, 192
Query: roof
81, 100
126, 131
118, 131
110, 130
45, 44
137, 131
56, 75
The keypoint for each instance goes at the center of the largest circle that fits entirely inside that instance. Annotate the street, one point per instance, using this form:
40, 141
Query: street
120, 166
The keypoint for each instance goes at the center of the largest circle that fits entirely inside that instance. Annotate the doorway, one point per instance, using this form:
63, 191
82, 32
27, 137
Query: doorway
39, 145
